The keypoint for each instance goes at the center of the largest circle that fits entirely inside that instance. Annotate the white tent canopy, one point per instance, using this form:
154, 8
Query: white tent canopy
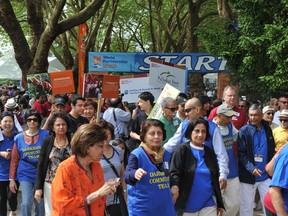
10, 70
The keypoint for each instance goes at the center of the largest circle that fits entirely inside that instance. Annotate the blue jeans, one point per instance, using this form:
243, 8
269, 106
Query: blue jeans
27, 191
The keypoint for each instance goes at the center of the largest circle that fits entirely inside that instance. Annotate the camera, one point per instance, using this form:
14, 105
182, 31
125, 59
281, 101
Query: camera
124, 137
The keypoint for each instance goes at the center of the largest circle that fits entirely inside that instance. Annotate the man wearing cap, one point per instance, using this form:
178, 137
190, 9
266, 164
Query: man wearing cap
229, 97
283, 104
256, 148
168, 118
280, 133
194, 110
12, 106
229, 134
59, 106
181, 106
268, 113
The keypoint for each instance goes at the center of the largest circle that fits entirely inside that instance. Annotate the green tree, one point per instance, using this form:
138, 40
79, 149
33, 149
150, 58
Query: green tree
255, 46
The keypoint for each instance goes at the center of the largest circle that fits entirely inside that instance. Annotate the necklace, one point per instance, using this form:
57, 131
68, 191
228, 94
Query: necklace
62, 145
32, 134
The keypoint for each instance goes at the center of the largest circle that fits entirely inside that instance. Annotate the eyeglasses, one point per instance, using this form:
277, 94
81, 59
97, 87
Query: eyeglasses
269, 113
284, 102
172, 109
187, 110
32, 119
283, 120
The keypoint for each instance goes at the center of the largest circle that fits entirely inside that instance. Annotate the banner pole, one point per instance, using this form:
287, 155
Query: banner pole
99, 107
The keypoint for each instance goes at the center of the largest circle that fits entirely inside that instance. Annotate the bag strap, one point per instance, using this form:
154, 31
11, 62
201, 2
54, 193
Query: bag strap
111, 165
115, 119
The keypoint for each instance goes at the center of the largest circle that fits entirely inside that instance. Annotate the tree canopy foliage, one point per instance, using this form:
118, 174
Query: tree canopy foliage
255, 46
250, 34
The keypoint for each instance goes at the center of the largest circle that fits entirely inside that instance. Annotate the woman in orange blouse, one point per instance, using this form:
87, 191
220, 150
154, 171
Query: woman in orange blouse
78, 187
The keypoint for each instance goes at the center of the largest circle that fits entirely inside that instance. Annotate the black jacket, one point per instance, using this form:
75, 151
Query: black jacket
182, 171
43, 161
246, 150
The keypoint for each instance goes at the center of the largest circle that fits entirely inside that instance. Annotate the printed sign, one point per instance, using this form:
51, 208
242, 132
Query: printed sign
39, 84
92, 85
168, 91
132, 87
62, 82
162, 73
110, 87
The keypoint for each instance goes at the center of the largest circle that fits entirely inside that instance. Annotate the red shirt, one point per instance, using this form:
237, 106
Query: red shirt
46, 109
238, 120
38, 106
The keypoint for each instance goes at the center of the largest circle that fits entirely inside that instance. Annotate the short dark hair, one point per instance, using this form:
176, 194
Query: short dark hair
149, 123
75, 98
85, 137
107, 125
192, 126
147, 96
92, 103
114, 102
204, 99
183, 95
31, 112
53, 118
7, 113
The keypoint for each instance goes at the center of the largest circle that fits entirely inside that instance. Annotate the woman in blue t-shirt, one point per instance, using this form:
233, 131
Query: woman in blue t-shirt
24, 160
195, 174
147, 174
6, 145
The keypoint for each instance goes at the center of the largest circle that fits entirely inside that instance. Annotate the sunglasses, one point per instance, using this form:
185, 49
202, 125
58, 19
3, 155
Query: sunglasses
269, 113
242, 106
173, 109
283, 120
32, 119
284, 102
187, 110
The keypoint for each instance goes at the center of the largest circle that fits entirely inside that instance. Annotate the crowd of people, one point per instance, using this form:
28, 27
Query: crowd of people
199, 158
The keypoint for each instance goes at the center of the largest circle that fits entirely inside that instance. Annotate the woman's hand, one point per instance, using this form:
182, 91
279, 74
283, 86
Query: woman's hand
38, 195
220, 211
5, 154
139, 173
175, 193
109, 187
13, 186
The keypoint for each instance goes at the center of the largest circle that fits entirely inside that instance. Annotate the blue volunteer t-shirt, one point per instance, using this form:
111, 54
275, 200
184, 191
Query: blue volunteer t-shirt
202, 190
280, 176
5, 144
229, 145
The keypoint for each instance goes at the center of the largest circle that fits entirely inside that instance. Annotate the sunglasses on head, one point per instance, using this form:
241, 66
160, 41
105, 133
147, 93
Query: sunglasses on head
173, 109
32, 119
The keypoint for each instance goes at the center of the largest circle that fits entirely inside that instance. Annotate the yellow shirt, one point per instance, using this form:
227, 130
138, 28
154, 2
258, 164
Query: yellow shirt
280, 137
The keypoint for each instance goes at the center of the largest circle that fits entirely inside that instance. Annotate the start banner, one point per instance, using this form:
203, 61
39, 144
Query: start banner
140, 62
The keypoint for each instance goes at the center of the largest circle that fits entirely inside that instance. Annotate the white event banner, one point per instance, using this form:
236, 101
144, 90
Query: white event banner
133, 87
168, 91
162, 73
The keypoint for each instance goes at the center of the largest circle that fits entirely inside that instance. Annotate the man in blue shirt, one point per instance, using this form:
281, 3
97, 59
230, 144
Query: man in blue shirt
255, 149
